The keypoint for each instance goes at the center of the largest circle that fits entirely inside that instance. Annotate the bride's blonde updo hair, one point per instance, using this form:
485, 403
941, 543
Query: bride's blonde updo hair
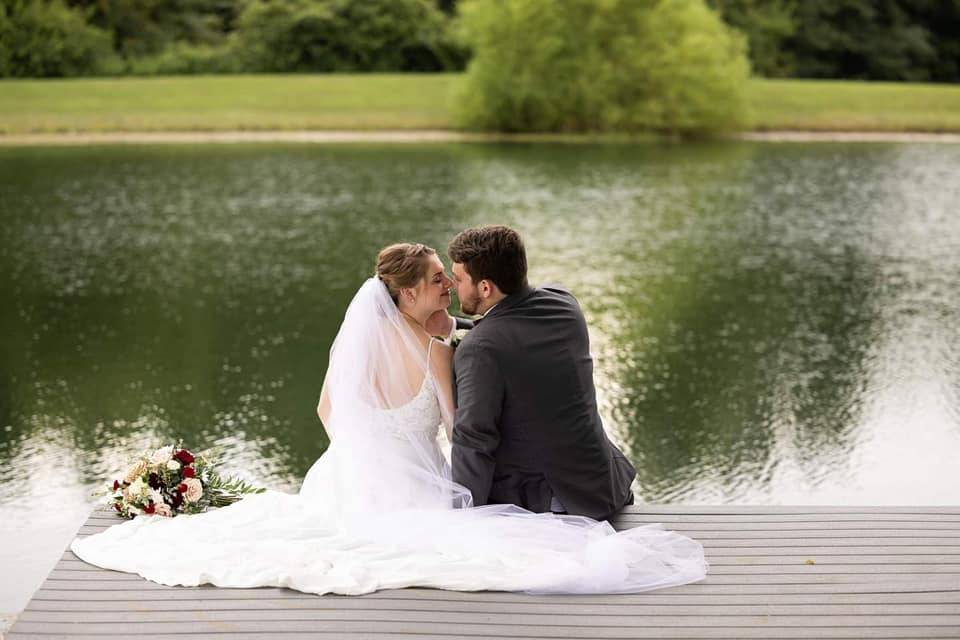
402, 266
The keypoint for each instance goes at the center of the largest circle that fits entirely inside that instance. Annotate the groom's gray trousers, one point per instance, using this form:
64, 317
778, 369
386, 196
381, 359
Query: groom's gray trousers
526, 427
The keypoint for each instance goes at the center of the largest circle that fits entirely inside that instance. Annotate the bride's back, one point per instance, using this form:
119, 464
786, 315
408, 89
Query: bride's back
399, 382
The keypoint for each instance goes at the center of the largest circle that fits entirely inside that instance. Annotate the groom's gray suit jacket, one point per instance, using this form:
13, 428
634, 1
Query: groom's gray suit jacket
526, 426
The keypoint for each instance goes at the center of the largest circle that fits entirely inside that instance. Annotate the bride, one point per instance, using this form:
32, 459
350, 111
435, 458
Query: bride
379, 509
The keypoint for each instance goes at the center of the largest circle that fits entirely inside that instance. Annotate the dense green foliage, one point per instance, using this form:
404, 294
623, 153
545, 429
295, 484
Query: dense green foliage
147, 27
41, 38
901, 40
767, 25
347, 35
48, 39
913, 40
615, 65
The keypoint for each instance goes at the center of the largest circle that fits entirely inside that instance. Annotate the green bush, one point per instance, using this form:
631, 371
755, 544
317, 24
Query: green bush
144, 28
601, 65
767, 24
187, 59
46, 39
348, 35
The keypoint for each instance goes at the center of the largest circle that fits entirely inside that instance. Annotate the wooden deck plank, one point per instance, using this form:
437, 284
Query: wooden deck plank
746, 580
757, 556
623, 619
718, 568
772, 555
444, 634
106, 612
756, 509
866, 591
727, 606
708, 523
385, 598
720, 603
766, 633
791, 517
761, 626
881, 572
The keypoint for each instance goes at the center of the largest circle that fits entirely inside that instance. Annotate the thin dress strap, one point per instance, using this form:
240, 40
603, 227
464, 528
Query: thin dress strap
429, 346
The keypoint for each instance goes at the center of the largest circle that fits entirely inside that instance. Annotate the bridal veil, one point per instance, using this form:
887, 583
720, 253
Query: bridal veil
386, 451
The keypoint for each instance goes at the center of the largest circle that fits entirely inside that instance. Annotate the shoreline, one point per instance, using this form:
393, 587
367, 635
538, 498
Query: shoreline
435, 135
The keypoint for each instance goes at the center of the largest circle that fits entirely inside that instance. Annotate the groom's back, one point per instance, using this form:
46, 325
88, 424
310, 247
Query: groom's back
551, 440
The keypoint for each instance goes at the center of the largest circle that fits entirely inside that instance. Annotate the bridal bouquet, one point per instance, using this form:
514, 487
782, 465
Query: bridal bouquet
171, 481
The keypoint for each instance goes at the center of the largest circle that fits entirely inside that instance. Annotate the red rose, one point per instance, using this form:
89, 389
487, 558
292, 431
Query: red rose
188, 472
182, 488
150, 508
183, 456
116, 485
116, 506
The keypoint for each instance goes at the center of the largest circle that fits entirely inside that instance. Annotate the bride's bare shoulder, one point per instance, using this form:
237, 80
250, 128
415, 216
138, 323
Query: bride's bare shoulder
441, 353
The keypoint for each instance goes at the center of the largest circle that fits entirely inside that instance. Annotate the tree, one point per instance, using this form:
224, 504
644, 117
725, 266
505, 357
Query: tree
348, 35
860, 39
767, 24
145, 27
856, 39
46, 38
601, 65
941, 18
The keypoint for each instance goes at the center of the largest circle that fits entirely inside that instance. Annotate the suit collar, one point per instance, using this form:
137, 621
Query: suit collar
508, 302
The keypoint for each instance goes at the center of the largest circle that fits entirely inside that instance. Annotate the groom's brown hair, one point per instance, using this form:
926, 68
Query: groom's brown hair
492, 253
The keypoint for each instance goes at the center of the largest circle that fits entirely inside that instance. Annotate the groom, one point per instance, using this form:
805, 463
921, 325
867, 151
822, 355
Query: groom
526, 429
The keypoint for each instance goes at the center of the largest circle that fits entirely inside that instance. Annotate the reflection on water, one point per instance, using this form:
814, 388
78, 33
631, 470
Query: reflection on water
771, 323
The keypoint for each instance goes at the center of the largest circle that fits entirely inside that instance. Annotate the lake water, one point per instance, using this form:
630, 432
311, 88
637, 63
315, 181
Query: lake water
771, 323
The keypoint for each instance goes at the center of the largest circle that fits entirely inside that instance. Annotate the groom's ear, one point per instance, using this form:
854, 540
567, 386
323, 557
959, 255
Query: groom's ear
487, 288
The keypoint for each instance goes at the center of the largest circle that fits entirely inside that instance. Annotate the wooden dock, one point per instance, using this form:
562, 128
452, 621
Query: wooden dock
775, 572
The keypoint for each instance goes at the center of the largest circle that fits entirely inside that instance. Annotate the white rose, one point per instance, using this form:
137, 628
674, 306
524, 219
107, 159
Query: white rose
156, 496
137, 487
173, 465
194, 490
161, 455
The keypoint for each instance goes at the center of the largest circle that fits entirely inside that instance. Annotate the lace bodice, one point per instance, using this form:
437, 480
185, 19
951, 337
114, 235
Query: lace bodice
421, 415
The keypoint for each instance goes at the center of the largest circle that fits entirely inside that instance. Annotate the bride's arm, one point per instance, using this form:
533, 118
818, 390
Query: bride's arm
323, 407
442, 367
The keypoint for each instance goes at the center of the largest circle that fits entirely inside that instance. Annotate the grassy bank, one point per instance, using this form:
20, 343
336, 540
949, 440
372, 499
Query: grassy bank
830, 105
411, 102
226, 103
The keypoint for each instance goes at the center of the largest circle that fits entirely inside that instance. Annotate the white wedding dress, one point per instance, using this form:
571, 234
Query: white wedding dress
378, 511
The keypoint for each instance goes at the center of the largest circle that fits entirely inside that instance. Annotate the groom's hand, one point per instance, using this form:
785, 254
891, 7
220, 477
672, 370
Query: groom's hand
440, 324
